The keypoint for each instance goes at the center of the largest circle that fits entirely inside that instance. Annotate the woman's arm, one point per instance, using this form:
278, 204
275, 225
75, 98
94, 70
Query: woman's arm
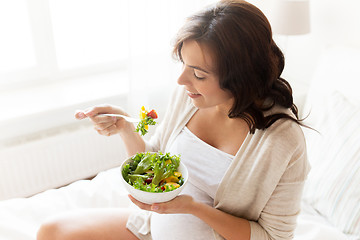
133, 142
227, 225
108, 126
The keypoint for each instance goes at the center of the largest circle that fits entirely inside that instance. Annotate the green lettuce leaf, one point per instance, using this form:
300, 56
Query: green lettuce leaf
145, 164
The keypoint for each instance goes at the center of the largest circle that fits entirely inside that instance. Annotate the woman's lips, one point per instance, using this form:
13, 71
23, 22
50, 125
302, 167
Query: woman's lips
193, 95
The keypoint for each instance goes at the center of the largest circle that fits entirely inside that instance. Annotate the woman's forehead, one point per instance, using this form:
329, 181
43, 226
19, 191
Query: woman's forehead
197, 54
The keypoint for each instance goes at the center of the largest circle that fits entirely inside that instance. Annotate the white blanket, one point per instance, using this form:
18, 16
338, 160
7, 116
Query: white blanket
20, 218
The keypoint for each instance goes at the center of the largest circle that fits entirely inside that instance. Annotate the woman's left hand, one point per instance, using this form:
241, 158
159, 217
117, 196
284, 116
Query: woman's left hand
180, 204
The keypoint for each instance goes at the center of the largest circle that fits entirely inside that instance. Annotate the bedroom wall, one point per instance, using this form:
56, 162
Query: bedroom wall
333, 24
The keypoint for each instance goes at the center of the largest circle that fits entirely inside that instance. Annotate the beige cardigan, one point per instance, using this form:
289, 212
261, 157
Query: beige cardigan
265, 180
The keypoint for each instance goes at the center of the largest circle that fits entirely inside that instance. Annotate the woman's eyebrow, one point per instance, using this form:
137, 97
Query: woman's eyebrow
199, 68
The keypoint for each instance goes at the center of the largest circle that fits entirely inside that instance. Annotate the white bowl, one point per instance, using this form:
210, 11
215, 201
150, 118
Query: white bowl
149, 197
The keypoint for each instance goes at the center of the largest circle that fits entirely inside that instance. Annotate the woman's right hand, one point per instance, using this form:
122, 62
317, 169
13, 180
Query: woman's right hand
105, 125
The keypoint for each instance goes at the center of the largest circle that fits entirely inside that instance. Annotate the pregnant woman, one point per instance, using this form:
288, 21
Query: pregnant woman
233, 120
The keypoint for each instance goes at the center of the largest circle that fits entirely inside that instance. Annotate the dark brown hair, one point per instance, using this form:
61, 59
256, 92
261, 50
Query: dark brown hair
248, 61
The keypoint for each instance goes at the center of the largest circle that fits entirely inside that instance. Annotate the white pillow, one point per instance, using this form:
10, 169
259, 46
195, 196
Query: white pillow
333, 102
333, 185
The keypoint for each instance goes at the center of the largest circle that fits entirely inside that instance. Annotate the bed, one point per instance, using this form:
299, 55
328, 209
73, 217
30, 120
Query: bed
331, 201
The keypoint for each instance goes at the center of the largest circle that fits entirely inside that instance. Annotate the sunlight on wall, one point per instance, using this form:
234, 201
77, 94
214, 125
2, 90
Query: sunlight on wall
16, 40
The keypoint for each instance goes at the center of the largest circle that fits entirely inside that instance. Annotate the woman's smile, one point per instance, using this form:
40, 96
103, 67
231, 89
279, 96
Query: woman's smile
193, 95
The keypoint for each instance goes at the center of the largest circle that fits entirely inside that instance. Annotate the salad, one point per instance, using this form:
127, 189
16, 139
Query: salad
147, 118
153, 172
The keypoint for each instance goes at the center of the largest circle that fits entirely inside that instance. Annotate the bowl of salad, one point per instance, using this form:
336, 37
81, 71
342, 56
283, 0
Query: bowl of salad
153, 177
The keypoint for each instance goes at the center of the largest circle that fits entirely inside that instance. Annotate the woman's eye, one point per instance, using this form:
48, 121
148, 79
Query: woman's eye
198, 77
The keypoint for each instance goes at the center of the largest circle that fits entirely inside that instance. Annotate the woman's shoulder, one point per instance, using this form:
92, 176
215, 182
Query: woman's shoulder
283, 131
283, 144
288, 136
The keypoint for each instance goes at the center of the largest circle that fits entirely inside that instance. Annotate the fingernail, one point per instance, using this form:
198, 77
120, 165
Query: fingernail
89, 113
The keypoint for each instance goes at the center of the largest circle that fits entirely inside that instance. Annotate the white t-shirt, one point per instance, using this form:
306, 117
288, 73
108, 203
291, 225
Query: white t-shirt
206, 169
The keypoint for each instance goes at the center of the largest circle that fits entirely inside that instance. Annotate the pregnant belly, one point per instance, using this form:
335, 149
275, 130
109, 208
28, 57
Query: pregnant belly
179, 227
182, 226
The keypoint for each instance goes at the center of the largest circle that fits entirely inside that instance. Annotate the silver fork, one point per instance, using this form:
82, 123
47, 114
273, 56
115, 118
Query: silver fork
129, 119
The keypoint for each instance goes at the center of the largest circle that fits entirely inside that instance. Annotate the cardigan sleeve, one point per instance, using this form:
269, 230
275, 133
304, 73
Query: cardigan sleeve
278, 218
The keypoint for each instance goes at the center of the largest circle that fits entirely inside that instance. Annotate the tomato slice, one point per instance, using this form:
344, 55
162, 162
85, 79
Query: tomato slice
152, 114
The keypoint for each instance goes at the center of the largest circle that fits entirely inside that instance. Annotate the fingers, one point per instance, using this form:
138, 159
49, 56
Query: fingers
141, 205
155, 207
102, 121
108, 131
180, 204
79, 114
99, 119
93, 111
104, 125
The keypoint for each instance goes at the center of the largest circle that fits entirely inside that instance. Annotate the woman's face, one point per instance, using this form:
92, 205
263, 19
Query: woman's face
200, 80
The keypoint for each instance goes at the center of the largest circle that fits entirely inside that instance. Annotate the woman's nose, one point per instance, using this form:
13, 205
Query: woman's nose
182, 79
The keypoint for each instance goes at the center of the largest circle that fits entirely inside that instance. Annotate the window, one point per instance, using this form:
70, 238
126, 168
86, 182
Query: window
61, 38
92, 33
57, 56
16, 43
48, 40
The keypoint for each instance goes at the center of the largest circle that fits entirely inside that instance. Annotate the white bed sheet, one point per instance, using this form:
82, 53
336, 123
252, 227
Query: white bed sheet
20, 218
312, 226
